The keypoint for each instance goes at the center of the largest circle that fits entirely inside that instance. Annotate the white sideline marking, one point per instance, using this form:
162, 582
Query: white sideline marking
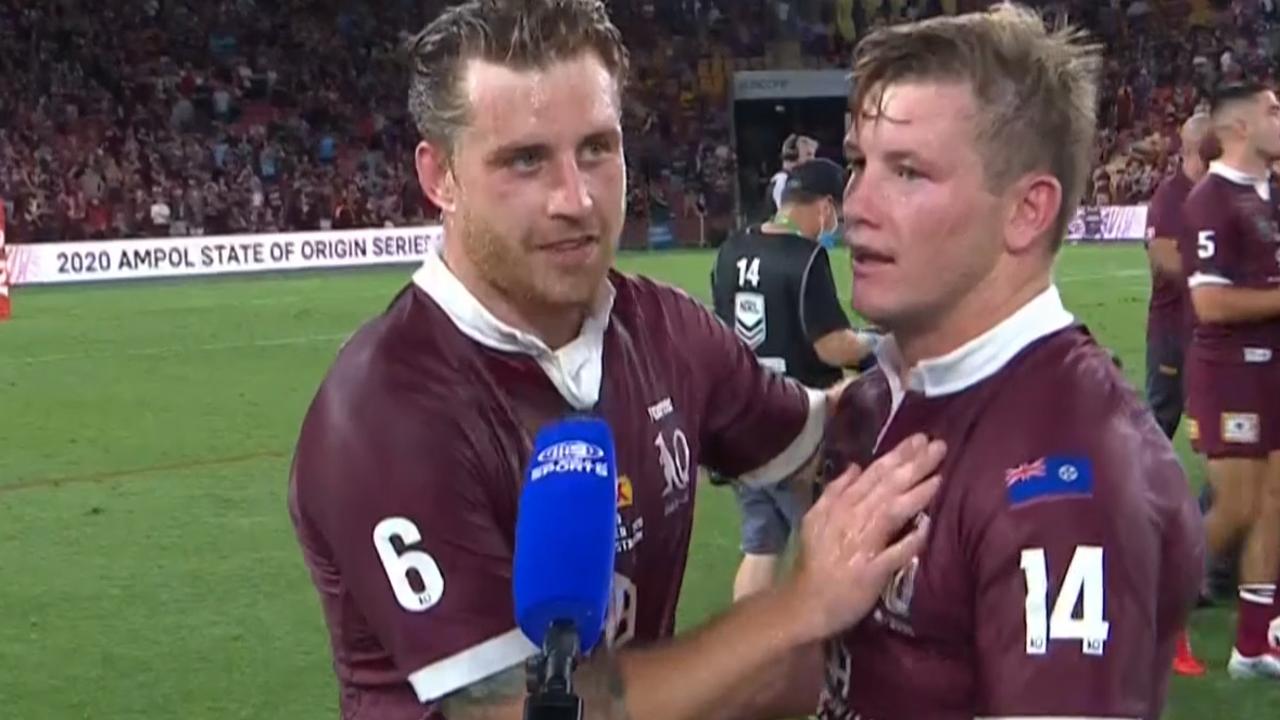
308, 339
172, 349
1083, 277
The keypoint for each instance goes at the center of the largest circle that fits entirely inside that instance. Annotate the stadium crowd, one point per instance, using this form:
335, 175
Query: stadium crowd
178, 117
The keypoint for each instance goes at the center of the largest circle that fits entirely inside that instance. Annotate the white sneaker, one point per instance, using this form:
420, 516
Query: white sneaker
1266, 665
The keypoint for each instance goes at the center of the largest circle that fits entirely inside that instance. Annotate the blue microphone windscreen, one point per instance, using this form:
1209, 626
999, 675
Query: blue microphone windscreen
565, 531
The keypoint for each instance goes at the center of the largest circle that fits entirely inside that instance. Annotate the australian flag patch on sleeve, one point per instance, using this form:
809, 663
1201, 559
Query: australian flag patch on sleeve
1050, 478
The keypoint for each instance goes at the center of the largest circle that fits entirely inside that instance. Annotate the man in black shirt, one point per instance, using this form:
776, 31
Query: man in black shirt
773, 285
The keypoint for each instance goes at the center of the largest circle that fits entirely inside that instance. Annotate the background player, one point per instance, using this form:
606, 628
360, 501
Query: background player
773, 286
1233, 376
1169, 314
796, 149
406, 479
1038, 595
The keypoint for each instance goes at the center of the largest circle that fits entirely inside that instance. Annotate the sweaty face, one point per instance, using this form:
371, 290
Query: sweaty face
1264, 127
540, 179
923, 228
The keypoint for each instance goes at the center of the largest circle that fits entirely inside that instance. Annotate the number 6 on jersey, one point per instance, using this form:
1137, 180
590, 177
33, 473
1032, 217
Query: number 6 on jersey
405, 566
1083, 585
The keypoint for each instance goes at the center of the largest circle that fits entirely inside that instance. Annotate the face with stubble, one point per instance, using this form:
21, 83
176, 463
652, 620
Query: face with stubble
533, 195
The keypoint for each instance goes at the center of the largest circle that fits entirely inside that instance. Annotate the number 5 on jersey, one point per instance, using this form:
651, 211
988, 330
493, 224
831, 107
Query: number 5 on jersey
407, 570
1206, 246
1084, 585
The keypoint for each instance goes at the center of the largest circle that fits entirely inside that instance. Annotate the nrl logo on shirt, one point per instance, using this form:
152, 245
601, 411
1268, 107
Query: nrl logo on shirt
749, 318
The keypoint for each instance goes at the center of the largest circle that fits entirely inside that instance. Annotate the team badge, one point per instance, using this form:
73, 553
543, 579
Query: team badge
1243, 428
626, 494
897, 596
1266, 229
630, 531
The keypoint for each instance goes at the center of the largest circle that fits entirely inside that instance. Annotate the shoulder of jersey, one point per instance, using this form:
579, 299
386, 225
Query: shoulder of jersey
1061, 416
1177, 185
405, 351
1065, 387
866, 397
637, 293
1211, 185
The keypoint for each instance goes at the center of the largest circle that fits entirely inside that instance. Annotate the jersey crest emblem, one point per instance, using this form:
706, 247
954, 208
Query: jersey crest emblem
897, 596
1266, 229
749, 318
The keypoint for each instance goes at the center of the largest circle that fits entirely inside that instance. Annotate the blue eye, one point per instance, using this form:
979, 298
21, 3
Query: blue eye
907, 173
525, 160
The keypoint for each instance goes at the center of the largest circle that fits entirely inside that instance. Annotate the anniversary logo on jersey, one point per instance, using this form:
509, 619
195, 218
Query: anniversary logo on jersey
674, 454
748, 318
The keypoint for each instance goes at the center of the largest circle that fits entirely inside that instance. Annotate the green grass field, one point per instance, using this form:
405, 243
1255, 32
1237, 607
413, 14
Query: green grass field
149, 568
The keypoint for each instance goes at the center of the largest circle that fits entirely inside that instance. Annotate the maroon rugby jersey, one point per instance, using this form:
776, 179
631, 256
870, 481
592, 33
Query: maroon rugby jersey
408, 471
1233, 240
1064, 550
1169, 310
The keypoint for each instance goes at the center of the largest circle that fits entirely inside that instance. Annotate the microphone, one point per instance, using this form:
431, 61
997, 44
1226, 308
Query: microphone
563, 566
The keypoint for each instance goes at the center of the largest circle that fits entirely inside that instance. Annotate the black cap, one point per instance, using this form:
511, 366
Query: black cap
814, 180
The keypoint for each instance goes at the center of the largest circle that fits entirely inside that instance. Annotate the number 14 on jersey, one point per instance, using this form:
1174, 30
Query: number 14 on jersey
748, 271
1084, 586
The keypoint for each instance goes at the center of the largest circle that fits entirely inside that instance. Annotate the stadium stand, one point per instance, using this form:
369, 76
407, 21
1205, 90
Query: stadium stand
182, 117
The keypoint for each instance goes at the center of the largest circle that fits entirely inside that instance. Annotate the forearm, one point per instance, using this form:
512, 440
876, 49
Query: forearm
717, 671
710, 672
1226, 304
1163, 254
789, 688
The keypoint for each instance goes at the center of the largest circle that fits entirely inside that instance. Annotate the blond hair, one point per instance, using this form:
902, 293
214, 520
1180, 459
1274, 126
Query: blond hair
1035, 88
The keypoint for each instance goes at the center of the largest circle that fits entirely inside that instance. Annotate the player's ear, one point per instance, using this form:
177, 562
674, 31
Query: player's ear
435, 175
1036, 199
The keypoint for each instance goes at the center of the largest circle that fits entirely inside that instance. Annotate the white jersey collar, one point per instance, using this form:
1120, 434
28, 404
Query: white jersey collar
575, 369
981, 357
1262, 186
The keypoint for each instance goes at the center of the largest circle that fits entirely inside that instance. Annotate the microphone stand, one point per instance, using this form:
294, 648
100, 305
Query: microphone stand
550, 676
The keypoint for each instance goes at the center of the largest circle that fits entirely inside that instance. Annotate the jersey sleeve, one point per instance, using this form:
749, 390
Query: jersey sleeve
401, 501
1212, 240
1163, 215
820, 311
1085, 568
756, 425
